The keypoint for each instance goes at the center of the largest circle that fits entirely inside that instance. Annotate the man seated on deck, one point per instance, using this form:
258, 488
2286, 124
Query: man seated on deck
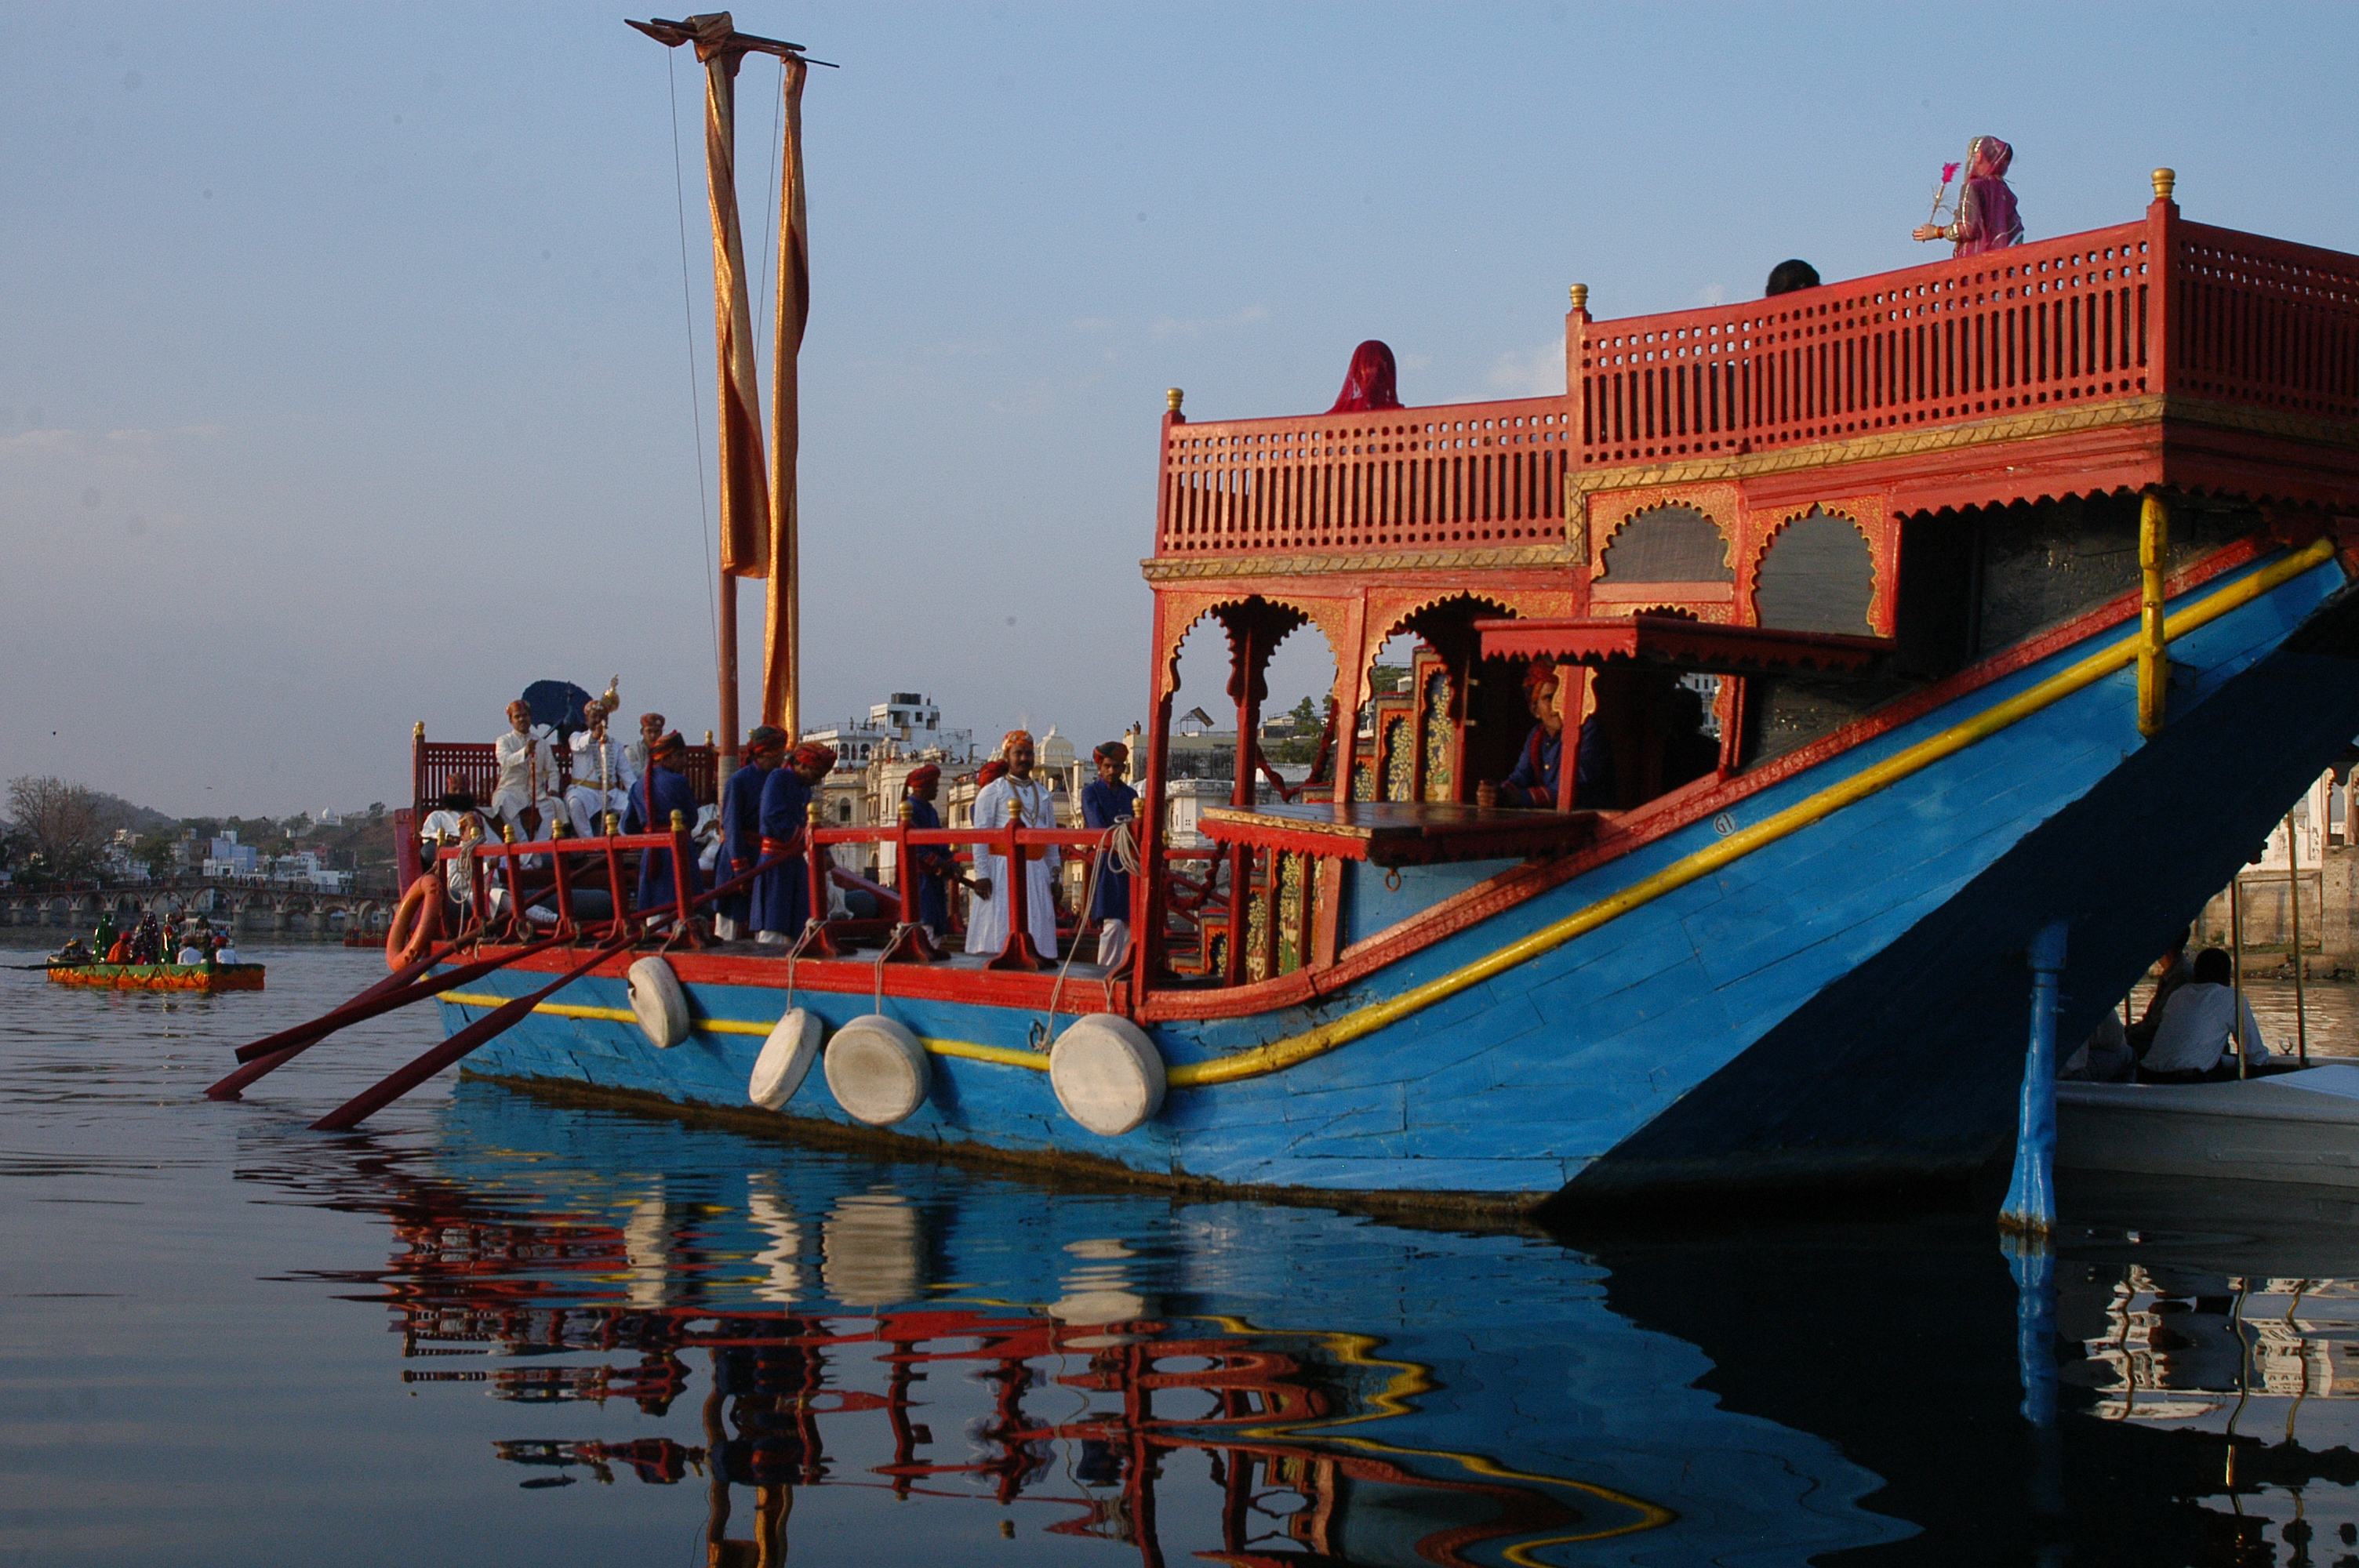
1106, 800
931, 864
651, 728
603, 774
741, 828
1001, 801
782, 894
664, 790
1541, 765
527, 776
2191, 1047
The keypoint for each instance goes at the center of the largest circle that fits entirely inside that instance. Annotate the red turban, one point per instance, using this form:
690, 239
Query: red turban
669, 745
1113, 752
991, 770
811, 754
922, 779
647, 720
1541, 673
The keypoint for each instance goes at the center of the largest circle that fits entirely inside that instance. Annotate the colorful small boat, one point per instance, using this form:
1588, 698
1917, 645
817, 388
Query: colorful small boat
160, 976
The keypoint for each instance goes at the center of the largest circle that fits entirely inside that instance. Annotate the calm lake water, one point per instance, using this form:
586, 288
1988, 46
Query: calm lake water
492, 1331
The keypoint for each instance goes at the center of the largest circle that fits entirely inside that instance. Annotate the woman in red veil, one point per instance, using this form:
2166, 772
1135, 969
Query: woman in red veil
1368, 385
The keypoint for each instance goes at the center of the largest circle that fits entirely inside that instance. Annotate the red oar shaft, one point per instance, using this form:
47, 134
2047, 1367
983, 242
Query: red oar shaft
265, 1056
369, 1101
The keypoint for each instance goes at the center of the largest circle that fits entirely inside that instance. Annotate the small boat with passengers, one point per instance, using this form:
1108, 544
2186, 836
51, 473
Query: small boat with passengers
1913, 612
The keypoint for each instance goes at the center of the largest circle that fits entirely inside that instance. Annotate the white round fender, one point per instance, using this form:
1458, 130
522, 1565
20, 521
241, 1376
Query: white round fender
1107, 1074
878, 1070
659, 1002
785, 1059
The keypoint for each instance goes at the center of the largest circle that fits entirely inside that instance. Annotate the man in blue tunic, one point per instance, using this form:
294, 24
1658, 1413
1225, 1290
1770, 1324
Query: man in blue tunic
1538, 767
782, 894
741, 828
932, 863
664, 790
1106, 800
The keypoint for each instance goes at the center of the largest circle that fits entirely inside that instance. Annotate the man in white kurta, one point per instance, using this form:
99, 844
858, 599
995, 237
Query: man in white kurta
602, 775
986, 921
527, 775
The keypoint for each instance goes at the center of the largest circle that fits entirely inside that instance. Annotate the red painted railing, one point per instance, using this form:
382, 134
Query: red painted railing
1484, 472
2152, 307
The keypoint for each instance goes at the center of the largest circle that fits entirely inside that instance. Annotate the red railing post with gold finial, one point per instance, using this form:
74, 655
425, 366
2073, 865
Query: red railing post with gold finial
1165, 501
683, 869
903, 882
2163, 304
562, 880
1576, 354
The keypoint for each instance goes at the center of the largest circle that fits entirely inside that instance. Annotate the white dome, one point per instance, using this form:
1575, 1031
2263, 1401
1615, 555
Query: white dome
1056, 751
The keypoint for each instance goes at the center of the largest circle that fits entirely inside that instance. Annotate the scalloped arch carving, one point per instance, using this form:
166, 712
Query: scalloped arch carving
1669, 541
1816, 572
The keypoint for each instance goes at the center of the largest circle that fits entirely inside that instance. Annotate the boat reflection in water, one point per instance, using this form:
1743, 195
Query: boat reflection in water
1223, 1379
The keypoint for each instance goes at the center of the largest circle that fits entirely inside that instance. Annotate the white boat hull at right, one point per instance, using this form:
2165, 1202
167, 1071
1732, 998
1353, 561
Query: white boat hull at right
2293, 1126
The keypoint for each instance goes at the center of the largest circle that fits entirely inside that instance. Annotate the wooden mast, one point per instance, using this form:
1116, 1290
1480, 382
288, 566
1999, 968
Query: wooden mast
757, 509
782, 644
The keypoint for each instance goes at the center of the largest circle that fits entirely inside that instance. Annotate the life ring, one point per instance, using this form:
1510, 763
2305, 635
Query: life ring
1107, 1074
785, 1059
417, 923
878, 1070
659, 1002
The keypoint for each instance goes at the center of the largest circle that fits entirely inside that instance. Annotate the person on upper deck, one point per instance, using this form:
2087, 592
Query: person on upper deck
932, 863
603, 774
527, 775
741, 828
664, 790
782, 894
1986, 217
1015, 792
1368, 385
1106, 800
2192, 1043
1541, 765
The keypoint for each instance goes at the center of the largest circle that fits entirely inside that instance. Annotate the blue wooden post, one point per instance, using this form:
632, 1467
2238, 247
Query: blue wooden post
2031, 1199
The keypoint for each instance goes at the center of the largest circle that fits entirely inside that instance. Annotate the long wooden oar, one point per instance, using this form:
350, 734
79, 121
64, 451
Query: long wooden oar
334, 1017
362, 1106
352, 1112
267, 1056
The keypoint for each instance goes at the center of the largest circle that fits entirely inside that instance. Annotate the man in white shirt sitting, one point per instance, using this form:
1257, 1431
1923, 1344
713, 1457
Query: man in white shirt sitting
602, 775
2192, 1044
527, 776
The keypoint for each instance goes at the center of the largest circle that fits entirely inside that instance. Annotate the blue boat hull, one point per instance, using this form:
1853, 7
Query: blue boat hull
1845, 1001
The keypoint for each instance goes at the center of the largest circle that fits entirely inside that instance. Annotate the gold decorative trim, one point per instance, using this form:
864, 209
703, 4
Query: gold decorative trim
1181, 568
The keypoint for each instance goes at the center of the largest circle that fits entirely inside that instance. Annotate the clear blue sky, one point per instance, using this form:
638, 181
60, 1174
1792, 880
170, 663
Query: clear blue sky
345, 379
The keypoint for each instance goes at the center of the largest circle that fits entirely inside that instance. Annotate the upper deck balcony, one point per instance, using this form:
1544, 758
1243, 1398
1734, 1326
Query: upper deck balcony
2114, 328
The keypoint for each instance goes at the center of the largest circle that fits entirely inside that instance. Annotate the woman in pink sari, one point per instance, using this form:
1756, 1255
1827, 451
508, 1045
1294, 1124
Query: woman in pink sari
1986, 219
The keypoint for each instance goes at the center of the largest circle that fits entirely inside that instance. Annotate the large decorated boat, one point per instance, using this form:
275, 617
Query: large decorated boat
1906, 616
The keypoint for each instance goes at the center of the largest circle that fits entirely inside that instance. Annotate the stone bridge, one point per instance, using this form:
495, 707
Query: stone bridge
289, 908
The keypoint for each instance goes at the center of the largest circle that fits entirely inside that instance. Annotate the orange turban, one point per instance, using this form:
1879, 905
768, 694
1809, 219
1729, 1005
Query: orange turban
1012, 737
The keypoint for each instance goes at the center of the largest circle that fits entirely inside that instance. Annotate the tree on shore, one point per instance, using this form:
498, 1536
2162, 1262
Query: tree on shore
65, 825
